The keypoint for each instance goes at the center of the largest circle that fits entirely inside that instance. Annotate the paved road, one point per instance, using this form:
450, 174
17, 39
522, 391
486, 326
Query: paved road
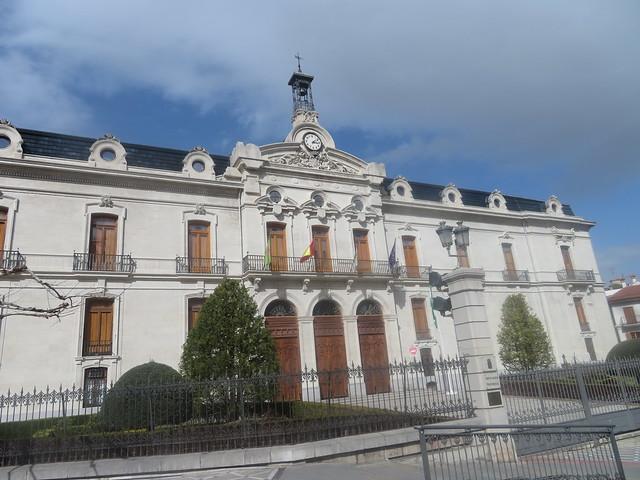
408, 468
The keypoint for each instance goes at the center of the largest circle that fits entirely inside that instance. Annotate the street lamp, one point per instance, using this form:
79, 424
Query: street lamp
448, 235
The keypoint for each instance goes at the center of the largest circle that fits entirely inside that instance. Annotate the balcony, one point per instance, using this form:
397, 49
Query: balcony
423, 335
96, 262
576, 276
207, 266
12, 260
92, 348
323, 266
521, 276
410, 271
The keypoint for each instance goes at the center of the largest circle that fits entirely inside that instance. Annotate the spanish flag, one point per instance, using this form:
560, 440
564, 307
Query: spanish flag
308, 253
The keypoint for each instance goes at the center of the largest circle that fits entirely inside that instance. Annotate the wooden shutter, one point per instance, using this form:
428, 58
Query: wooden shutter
373, 351
284, 331
321, 247
410, 256
629, 315
331, 356
103, 243
278, 246
3, 229
508, 257
463, 256
98, 327
420, 319
566, 257
195, 307
361, 242
199, 247
582, 318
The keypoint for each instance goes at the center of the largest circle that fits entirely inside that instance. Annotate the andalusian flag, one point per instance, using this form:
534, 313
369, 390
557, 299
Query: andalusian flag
308, 253
267, 254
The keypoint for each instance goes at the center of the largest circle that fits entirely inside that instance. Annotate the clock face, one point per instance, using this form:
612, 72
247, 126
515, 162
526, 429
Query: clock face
312, 142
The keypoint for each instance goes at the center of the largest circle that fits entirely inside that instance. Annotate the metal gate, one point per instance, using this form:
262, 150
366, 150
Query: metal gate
495, 452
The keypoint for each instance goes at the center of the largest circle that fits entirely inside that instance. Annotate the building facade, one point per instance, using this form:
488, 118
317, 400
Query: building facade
140, 235
624, 303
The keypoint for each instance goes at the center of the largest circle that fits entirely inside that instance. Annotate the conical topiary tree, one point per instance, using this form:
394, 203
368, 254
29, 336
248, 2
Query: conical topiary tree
230, 338
524, 344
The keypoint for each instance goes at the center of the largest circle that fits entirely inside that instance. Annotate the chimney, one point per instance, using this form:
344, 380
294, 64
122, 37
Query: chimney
634, 280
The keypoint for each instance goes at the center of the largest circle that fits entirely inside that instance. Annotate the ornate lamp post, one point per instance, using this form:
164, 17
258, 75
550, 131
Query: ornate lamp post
449, 235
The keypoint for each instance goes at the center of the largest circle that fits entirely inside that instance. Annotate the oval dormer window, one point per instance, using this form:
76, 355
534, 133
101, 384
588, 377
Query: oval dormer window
318, 200
275, 196
496, 202
358, 205
108, 154
198, 166
400, 190
4, 142
452, 197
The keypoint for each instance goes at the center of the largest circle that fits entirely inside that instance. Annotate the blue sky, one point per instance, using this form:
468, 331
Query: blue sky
532, 98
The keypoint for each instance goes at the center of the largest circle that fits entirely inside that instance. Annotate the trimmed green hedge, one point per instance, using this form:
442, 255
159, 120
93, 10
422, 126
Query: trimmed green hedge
625, 350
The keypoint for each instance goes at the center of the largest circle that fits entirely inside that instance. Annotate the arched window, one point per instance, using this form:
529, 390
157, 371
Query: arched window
326, 307
369, 307
280, 308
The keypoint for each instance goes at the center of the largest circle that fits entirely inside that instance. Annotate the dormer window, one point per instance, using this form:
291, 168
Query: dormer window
452, 197
198, 166
108, 154
401, 191
318, 200
5, 142
275, 196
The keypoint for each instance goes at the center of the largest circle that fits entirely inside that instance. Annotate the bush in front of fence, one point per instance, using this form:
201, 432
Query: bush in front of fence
146, 396
625, 350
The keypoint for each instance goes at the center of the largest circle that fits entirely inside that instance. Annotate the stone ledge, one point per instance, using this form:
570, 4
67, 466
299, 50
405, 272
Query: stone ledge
355, 449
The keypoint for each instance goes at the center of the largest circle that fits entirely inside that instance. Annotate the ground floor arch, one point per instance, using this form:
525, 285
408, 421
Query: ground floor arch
282, 322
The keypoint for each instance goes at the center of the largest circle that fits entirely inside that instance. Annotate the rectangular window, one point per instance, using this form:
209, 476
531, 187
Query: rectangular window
195, 306
361, 243
629, 315
463, 256
582, 318
98, 327
410, 256
277, 238
566, 258
322, 252
420, 319
95, 387
426, 357
199, 248
588, 342
103, 243
509, 263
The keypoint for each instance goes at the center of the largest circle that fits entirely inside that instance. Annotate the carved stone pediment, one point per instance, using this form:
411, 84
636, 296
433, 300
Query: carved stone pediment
318, 161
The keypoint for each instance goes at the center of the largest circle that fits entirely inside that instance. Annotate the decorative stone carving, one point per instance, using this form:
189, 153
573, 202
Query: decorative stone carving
8, 131
106, 202
304, 116
400, 189
318, 161
200, 210
244, 150
554, 206
4, 121
305, 285
496, 201
257, 281
349, 288
566, 238
450, 195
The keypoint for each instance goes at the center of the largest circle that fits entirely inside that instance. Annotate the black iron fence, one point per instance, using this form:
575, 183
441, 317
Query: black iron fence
11, 260
66, 424
415, 271
261, 263
515, 275
95, 347
576, 276
98, 262
501, 452
212, 266
573, 392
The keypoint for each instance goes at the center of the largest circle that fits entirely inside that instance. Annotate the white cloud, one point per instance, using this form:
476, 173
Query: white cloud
543, 81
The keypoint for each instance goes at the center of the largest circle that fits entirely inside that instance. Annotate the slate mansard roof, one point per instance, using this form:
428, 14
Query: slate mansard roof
77, 148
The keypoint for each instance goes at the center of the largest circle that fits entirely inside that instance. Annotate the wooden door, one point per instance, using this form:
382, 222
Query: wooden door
322, 252
331, 356
373, 351
199, 247
195, 307
98, 328
420, 319
103, 242
410, 257
566, 257
361, 242
284, 331
510, 264
463, 256
582, 318
3, 231
277, 235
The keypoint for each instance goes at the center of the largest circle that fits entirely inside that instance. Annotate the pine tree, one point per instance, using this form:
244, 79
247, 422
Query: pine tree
230, 338
524, 344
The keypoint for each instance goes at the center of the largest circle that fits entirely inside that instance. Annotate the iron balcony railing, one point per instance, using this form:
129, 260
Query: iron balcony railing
260, 263
413, 271
12, 260
423, 335
94, 348
98, 262
576, 276
515, 275
210, 266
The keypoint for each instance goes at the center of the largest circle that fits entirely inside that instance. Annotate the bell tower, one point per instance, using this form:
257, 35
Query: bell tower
301, 90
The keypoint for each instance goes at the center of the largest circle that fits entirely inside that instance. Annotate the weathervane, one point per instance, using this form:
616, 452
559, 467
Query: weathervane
298, 57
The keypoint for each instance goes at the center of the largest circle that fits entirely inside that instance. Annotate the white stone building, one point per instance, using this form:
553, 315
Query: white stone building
143, 233
624, 303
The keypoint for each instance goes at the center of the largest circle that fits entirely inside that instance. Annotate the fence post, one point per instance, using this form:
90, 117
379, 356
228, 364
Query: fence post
543, 411
616, 455
584, 397
423, 451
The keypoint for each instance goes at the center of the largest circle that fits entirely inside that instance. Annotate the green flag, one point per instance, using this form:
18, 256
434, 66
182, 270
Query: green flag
267, 254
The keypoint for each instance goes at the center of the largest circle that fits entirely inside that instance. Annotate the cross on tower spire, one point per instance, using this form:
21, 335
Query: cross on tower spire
298, 57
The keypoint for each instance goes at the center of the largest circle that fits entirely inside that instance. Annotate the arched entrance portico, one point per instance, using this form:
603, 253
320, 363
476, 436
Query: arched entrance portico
373, 347
282, 322
331, 354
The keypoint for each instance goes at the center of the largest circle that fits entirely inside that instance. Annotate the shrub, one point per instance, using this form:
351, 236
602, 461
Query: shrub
146, 396
625, 350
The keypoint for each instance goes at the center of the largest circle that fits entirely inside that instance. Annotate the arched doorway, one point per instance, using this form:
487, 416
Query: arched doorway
331, 354
282, 322
373, 347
